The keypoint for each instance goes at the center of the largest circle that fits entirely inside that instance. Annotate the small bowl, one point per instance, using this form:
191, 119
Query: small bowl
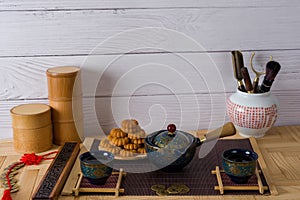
96, 166
239, 164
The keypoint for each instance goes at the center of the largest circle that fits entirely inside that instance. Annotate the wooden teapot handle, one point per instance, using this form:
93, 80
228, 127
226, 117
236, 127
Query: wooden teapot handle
227, 129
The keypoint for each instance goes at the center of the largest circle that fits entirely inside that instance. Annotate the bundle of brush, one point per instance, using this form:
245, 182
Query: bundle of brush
241, 73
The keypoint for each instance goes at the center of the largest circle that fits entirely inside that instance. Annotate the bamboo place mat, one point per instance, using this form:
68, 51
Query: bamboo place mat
197, 175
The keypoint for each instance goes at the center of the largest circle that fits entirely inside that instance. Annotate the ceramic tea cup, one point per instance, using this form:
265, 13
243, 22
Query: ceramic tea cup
96, 166
239, 164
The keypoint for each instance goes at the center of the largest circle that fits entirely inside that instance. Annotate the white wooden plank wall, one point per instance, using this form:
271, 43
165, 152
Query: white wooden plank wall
182, 74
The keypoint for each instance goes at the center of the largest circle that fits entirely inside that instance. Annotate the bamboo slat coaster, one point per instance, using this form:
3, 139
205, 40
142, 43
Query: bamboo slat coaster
111, 186
221, 187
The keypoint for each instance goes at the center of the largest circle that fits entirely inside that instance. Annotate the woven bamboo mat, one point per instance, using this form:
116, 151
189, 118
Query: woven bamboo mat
197, 175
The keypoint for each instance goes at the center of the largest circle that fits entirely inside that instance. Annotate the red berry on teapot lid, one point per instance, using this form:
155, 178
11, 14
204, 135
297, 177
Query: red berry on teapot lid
171, 128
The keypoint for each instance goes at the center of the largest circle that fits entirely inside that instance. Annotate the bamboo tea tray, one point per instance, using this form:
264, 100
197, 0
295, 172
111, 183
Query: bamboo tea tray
112, 185
193, 176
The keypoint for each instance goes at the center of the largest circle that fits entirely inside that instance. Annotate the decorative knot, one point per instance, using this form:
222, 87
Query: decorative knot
31, 159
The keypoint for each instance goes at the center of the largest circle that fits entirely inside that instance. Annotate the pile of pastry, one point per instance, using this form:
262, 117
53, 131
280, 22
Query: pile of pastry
126, 141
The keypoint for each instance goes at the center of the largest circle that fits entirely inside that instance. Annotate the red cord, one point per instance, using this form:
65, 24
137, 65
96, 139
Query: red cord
27, 159
33, 159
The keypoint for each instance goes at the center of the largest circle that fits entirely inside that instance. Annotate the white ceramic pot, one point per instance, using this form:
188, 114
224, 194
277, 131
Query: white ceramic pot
252, 114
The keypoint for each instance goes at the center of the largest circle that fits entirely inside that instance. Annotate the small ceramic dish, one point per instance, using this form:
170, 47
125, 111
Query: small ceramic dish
239, 164
96, 166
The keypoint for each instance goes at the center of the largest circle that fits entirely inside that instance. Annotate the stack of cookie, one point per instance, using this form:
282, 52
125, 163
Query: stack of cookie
126, 141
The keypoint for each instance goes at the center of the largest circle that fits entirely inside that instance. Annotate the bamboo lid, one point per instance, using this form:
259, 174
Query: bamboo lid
31, 116
30, 109
63, 82
63, 71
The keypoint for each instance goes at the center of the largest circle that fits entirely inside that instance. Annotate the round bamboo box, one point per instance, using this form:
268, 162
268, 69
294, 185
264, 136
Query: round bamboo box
63, 82
32, 128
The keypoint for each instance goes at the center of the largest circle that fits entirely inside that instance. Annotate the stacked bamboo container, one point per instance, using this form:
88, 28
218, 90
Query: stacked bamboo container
65, 98
32, 128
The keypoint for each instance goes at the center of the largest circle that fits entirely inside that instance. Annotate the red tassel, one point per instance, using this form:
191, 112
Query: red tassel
6, 195
31, 159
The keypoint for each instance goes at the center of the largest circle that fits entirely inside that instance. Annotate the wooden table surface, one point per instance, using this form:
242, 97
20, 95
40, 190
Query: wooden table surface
280, 149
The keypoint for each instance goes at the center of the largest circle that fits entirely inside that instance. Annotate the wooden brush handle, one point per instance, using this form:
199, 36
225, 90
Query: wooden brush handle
226, 130
248, 84
255, 84
241, 86
238, 63
265, 86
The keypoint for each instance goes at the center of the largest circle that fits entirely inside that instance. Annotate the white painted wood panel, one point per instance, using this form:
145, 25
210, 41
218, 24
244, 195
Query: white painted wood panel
154, 112
117, 4
142, 74
150, 83
78, 32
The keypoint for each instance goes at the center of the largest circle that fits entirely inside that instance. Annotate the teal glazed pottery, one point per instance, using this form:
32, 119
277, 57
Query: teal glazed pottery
171, 150
239, 164
96, 166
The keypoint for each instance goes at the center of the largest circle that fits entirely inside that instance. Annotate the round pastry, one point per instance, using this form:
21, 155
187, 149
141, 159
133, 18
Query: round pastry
129, 122
131, 146
118, 133
137, 135
105, 143
110, 137
113, 150
141, 150
130, 126
138, 141
119, 141
133, 150
125, 153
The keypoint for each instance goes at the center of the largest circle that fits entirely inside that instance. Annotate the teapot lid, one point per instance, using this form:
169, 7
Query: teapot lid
172, 137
